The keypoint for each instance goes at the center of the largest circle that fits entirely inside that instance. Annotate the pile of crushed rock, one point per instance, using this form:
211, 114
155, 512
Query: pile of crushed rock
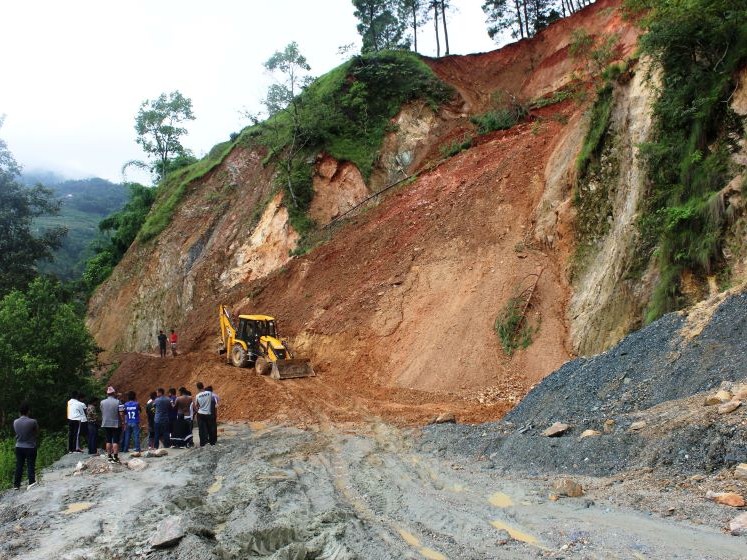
667, 397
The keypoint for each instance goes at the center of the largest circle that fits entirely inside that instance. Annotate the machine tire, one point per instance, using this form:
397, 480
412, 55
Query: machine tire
262, 366
238, 356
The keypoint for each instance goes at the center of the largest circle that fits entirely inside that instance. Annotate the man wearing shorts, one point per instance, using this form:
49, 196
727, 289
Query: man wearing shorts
110, 423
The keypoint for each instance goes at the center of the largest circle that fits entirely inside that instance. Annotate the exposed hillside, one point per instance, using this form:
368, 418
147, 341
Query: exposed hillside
396, 306
84, 203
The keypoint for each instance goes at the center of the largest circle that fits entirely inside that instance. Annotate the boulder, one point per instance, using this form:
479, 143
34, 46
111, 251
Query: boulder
155, 453
556, 430
567, 487
444, 418
168, 533
639, 425
738, 525
590, 433
740, 471
729, 407
609, 426
136, 454
711, 400
723, 395
726, 498
137, 464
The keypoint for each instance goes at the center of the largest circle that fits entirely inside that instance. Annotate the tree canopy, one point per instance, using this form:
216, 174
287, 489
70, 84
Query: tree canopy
524, 18
159, 131
382, 24
20, 246
45, 352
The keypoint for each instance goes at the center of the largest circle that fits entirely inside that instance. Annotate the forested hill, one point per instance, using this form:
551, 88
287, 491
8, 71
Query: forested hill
84, 203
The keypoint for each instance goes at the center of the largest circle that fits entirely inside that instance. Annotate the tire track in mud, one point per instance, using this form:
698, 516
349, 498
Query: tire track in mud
380, 477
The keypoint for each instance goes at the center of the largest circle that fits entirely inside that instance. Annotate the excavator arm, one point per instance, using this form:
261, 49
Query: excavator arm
227, 330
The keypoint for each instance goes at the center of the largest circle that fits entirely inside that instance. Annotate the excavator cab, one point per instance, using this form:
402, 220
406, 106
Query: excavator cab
255, 342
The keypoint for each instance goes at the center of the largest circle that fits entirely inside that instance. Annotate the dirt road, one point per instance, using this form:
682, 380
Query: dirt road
279, 492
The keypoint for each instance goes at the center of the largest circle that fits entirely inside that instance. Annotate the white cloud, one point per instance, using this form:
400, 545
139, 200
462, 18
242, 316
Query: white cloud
75, 73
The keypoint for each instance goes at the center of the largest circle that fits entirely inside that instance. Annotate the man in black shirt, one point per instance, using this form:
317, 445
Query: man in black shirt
162, 343
27, 430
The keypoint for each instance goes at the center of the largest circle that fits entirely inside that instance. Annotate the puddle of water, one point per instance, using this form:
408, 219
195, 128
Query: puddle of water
414, 542
216, 486
501, 500
515, 533
432, 554
78, 507
409, 538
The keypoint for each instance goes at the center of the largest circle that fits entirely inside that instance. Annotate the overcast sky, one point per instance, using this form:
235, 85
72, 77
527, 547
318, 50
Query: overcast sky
75, 73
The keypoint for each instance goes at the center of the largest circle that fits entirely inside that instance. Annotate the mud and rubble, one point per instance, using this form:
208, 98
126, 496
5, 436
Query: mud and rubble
268, 491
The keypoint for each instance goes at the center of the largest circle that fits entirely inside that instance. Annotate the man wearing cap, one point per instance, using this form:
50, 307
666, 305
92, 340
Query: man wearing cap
110, 423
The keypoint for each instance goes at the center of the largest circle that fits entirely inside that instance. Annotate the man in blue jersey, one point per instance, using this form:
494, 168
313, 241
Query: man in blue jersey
132, 422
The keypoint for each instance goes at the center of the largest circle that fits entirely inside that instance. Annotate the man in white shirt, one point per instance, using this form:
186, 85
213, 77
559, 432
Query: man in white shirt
203, 408
76, 415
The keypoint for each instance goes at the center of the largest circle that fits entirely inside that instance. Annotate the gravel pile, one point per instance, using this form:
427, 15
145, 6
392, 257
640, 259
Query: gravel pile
648, 368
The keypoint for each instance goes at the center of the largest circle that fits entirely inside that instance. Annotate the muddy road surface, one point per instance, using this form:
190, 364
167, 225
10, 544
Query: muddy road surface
328, 493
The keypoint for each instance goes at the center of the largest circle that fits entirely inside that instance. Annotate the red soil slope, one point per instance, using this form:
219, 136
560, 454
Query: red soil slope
396, 310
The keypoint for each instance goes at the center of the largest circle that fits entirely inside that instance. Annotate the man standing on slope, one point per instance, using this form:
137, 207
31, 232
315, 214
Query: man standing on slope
172, 340
162, 338
27, 430
76, 414
110, 423
203, 407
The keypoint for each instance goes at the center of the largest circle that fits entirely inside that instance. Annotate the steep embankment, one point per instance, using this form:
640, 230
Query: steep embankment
396, 309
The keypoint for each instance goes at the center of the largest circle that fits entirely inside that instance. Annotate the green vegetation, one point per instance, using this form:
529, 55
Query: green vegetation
512, 328
499, 119
45, 351
599, 120
170, 191
20, 246
698, 45
158, 131
50, 447
345, 113
83, 204
557, 97
456, 146
121, 227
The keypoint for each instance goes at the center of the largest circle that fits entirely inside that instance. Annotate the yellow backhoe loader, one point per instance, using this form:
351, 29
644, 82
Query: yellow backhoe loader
255, 342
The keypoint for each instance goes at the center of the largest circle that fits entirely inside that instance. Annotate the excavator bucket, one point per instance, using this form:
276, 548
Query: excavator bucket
288, 369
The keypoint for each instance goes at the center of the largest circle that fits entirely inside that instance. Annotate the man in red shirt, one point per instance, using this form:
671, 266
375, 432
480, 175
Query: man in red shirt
172, 340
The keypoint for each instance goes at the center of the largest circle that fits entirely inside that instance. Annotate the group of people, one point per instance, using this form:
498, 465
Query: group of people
163, 339
170, 420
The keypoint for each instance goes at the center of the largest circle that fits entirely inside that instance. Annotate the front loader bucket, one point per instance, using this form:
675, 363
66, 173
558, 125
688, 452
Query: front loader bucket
288, 369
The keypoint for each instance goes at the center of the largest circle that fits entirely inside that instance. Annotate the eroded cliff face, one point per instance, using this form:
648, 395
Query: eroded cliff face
405, 291
606, 305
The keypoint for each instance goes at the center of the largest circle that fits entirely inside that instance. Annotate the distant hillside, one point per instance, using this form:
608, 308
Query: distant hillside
85, 203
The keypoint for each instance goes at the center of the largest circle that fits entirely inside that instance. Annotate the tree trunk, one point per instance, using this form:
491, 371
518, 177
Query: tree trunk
443, 21
518, 19
435, 25
526, 18
372, 28
415, 24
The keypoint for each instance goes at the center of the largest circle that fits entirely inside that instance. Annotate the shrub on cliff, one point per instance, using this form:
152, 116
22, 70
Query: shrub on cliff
699, 45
